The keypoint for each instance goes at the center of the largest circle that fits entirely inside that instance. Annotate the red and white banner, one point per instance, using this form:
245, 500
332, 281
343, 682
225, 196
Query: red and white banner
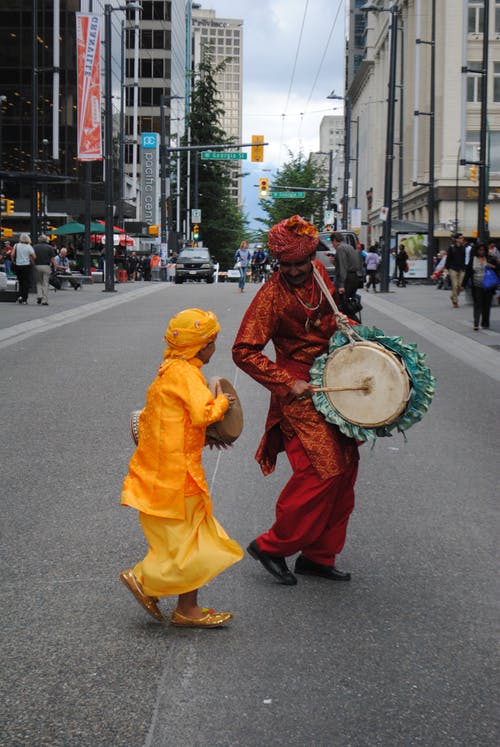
88, 37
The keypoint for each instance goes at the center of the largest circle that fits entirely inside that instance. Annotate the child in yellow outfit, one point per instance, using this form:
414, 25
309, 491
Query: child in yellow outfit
166, 481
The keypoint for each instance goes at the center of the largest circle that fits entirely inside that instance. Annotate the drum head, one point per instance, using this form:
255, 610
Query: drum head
373, 366
228, 429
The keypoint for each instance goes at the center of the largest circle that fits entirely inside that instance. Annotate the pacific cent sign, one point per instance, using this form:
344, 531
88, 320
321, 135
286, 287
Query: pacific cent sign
149, 177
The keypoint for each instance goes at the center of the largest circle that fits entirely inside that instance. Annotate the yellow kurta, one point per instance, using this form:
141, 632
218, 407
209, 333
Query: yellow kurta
166, 483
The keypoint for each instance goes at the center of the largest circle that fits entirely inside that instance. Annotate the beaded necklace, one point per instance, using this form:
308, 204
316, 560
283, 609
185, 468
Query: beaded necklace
308, 306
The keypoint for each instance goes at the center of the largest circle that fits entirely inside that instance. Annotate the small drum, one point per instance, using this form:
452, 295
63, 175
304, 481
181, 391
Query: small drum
229, 428
366, 383
225, 431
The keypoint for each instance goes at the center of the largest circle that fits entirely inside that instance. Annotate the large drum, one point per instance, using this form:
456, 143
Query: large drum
226, 431
366, 384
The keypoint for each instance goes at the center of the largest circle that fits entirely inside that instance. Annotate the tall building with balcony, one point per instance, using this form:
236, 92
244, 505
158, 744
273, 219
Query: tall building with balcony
224, 38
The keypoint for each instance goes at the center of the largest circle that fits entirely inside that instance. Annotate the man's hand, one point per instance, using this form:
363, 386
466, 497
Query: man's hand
302, 389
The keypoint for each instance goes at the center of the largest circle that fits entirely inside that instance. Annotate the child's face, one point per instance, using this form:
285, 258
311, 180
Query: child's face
206, 353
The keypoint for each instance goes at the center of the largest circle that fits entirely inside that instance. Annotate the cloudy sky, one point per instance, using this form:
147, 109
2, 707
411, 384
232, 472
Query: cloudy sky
293, 57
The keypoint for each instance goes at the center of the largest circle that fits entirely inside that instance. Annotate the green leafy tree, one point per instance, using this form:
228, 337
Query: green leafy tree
223, 225
297, 173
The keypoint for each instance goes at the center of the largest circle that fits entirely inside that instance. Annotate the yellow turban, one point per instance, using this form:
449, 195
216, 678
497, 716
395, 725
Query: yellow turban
188, 332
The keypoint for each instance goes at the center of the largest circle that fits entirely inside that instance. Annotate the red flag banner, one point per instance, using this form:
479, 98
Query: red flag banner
88, 35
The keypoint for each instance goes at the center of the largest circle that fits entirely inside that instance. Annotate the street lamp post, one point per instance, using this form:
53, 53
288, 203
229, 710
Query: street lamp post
109, 255
3, 99
389, 147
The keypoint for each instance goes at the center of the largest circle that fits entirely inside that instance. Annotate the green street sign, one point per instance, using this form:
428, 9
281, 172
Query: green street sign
296, 195
220, 155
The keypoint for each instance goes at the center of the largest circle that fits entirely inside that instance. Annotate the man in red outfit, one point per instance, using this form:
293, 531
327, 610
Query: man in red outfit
313, 509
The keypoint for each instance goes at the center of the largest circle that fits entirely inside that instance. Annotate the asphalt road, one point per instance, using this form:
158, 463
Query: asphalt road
404, 654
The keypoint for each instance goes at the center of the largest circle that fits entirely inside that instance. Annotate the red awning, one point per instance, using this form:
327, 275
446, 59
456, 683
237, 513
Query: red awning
115, 228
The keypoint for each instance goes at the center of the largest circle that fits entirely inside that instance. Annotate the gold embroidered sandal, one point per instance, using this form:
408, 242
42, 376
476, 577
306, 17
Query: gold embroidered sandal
150, 604
210, 619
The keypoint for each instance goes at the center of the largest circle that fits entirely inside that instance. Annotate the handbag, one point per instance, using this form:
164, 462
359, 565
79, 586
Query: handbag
237, 265
490, 279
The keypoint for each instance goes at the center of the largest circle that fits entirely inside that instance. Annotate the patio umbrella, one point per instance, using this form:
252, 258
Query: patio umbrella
69, 228
97, 227
116, 229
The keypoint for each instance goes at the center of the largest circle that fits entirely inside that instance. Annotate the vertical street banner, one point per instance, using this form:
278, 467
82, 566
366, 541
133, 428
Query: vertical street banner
150, 175
88, 46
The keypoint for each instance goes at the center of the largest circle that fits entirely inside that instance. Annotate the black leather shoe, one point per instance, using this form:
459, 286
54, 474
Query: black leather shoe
275, 565
310, 568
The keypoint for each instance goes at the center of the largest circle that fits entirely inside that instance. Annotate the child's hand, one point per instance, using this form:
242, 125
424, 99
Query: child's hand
231, 398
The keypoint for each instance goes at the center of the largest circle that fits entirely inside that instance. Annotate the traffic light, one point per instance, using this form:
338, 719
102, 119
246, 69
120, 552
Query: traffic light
473, 173
257, 148
153, 230
486, 213
196, 232
9, 206
263, 188
6, 233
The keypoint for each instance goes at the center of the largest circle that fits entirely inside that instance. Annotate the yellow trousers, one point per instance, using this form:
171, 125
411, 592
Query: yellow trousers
184, 554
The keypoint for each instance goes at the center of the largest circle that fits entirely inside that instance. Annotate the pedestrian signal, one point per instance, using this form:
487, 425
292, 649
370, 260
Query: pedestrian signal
6, 233
473, 173
153, 230
263, 188
257, 148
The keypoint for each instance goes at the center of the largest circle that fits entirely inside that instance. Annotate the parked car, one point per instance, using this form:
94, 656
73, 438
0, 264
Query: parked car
326, 251
194, 263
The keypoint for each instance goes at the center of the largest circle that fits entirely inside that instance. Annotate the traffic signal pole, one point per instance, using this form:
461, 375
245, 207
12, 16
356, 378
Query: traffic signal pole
483, 232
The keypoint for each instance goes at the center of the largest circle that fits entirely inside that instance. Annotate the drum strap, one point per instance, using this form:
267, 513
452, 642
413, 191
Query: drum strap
340, 318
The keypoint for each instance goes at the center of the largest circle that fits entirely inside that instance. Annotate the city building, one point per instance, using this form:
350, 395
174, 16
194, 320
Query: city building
458, 45
330, 157
224, 39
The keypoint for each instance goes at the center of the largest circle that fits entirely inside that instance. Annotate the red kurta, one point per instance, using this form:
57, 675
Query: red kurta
277, 314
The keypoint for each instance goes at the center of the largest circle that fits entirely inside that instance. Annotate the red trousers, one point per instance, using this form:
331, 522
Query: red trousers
311, 513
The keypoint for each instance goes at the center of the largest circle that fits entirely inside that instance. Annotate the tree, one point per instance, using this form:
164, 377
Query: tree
297, 173
223, 225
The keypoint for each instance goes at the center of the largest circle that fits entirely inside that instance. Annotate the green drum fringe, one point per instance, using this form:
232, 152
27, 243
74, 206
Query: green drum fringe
421, 391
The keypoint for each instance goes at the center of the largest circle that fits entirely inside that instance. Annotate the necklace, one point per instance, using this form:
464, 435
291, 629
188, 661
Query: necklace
309, 306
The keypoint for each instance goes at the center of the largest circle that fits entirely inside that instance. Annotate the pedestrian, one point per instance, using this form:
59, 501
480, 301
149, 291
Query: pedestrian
23, 257
146, 267
455, 264
372, 261
44, 265
7, 257
349, 267
313, 509
481, 297
242, 259
61, 265
133, 264
166, 482
402, 265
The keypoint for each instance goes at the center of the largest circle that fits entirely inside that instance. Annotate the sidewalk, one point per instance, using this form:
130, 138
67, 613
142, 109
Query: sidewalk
435, 305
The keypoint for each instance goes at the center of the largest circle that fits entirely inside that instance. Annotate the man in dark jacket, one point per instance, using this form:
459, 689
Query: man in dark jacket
348, 265
455, 264
44, 265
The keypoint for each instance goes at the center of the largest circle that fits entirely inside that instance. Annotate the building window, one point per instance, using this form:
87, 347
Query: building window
494, 152
474, 82
475, 17
496, 82
497, 16
472, 146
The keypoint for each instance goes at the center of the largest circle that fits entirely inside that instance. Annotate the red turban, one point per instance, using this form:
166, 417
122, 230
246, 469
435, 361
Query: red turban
293, 239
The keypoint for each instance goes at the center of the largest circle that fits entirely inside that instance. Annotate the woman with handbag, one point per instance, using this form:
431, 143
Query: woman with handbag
482, 270
402, 265
23, 258
242, 259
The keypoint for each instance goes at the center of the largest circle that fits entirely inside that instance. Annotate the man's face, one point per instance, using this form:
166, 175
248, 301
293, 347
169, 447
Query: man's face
296, 273
460, 240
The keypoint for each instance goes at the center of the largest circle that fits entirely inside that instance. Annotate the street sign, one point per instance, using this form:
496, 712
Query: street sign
328, 217
296, 195
195, 216
220, 155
